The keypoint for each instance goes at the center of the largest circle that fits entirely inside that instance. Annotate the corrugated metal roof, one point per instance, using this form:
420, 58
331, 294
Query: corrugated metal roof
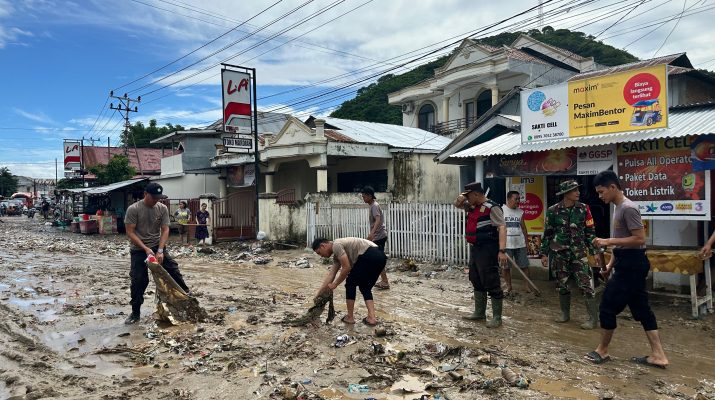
392, 135
93, 191
683, 122
635, 65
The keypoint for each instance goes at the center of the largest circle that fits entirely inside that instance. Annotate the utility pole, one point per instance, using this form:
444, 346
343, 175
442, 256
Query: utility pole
124, 106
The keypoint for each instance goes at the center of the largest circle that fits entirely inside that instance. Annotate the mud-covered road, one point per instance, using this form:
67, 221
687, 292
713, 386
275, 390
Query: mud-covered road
64, 297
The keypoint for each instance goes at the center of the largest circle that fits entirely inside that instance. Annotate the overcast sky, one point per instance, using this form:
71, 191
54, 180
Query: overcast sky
60, 59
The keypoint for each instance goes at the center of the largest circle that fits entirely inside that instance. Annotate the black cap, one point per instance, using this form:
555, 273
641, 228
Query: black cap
155, 190
368, 190
474, 187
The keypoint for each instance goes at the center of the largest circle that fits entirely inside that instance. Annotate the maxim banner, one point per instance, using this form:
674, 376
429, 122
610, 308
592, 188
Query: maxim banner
659, 177
622, 102
236, 88
627, 101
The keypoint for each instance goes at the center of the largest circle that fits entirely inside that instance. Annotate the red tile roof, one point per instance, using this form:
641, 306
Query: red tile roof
150, 158
338, 137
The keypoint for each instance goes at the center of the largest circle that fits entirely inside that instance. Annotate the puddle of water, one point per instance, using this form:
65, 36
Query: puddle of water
27, 303
4, 286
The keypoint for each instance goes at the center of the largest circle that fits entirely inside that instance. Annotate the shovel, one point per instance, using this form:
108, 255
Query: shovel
531, 284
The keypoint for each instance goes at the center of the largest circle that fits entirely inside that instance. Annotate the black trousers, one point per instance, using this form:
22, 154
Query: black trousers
484, 268
364, 273
381, 243
627, 287
139, 274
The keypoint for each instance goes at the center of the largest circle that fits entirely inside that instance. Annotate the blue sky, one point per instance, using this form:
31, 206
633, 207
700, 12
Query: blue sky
60, 59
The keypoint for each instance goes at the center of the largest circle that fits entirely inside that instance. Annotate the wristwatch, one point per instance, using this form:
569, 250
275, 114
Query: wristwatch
502, 250
160, 251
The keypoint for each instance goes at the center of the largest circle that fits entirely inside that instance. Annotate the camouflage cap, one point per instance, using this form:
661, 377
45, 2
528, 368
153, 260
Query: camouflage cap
567, 186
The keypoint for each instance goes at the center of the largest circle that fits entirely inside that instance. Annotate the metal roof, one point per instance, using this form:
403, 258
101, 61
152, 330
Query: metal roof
677, 60
93, 191
682, 122
402, 137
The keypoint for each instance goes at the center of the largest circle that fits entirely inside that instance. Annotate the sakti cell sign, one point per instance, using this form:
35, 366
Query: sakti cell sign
545, 113
658, 176
627, 101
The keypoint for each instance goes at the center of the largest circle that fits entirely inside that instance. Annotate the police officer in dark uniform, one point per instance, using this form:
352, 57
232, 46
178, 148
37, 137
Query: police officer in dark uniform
486, 234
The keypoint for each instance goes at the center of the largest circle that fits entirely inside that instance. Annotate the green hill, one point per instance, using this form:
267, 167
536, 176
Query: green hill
370, 104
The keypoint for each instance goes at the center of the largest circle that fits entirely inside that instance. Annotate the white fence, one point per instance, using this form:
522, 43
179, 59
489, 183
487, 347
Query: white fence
424, 232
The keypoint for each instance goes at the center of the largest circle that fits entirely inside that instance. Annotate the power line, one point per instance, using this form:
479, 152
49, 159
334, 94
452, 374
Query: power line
685, 2
222, 48
200, 47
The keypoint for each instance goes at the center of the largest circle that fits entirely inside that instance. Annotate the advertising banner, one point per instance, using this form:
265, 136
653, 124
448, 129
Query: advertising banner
533, 202
554, 162
73, 154
236, 88
658, 176
545, 113
627, 101
702, 152
592, 160
240, 175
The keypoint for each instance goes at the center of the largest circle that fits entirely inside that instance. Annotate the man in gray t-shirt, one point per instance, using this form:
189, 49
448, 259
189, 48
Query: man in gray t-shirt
627, 284
378, 233
147, 225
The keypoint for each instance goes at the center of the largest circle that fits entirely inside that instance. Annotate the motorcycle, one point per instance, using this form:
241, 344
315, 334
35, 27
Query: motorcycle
31, 212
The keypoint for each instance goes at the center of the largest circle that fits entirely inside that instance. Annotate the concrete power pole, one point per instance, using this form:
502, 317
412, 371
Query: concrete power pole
124, 106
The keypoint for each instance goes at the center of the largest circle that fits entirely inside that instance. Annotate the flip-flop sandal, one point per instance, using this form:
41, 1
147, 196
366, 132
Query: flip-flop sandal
368, 323
596, 358
644, 361
343, 319
382, 286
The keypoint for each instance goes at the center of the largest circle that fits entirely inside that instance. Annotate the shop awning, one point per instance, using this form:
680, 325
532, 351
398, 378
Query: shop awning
683, 121
99, 190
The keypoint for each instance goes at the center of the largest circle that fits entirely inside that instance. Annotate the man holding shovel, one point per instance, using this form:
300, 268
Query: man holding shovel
147, 225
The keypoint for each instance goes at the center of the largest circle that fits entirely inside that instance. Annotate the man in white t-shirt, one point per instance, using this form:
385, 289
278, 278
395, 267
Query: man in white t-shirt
516, 237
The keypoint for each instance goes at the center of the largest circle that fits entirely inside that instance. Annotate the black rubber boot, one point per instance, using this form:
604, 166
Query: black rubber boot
495, 322
565, 303
480, 307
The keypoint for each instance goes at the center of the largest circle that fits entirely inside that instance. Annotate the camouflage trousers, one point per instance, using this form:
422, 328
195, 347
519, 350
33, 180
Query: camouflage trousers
565, 265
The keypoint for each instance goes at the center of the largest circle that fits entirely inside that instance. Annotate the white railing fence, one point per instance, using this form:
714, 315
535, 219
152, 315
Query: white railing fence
424, 232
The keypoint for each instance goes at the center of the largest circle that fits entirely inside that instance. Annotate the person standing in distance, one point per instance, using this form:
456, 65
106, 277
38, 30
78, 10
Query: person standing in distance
486, 234
147, 225
516, 237
378, 233
630, 266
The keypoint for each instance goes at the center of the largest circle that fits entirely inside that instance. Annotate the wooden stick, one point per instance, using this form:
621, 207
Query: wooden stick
531, 284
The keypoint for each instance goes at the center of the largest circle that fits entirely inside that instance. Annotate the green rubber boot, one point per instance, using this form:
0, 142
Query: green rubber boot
495, 322
592, 309
480, 307
565, 303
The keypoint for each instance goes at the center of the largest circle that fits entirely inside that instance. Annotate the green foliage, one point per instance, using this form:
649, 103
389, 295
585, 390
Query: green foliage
69, 184
141, 136
370, 103
117, 170
8, 182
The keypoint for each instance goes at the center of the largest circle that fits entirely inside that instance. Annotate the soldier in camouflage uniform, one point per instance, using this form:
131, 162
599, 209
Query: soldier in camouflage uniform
568, 242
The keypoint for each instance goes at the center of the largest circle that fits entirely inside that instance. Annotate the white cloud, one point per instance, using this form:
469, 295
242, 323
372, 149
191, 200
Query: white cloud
36, 116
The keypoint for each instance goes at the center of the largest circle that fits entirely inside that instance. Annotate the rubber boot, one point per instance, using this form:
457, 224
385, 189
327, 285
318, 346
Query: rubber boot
565, 303
592, 309
495, 322
480, 307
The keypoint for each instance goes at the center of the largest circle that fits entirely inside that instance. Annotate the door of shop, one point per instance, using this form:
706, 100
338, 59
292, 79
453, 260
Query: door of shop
234, 216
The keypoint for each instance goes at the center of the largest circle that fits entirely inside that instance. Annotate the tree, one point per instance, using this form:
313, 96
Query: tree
8, 182
141, 136
69, 184
117, 170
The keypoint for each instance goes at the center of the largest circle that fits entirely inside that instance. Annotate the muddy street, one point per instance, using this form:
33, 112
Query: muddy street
64, 297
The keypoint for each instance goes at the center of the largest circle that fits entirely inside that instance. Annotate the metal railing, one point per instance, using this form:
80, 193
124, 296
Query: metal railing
452, 126
285, 196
